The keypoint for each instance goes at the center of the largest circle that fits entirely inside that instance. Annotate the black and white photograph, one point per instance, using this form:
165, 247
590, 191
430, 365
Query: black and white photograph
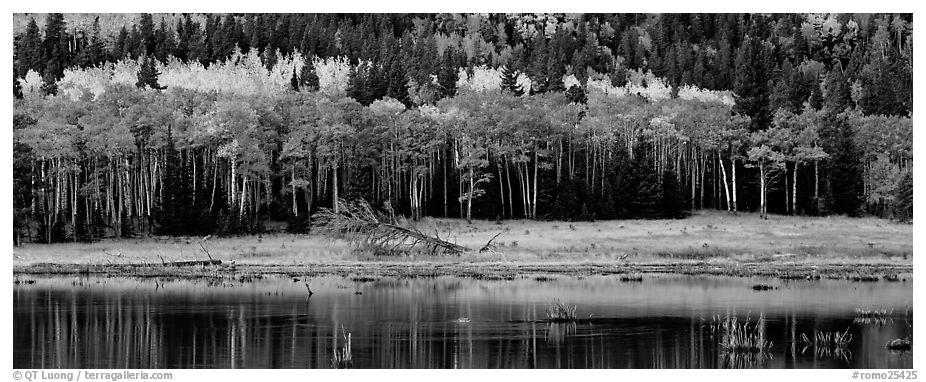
460, 191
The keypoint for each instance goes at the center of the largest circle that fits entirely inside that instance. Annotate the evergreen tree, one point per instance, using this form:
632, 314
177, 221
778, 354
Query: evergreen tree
645, 194
173, 213
847, 188
294, 81
576, 94
148, 75
147, 40
308, 80
447, 75
510, 81
165, 42
751, 82
29, 52
56, 46
119, 45
94, 52
672, 203
49, 84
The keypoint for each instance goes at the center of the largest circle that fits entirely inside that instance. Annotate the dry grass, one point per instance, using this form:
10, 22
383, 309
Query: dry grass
712, 238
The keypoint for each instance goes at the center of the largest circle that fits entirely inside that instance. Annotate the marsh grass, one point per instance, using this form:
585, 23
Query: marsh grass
560, 312
742, 336
343, 358
825, 339
872, 316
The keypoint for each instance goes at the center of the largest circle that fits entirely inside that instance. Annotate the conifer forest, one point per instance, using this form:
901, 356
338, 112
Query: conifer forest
199, 124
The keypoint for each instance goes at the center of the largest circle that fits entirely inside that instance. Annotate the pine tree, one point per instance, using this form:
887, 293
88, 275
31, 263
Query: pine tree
147, 41
510, 81
294, 81
308, 80
447, 75
56, 46
173, 213
30, 54
148, 75
576, 94
672, 204
119, 45
94, 52
751, 83
846, 172
49, 84
644, 193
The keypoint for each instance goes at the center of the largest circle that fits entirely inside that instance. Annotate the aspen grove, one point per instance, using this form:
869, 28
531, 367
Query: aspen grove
151, 139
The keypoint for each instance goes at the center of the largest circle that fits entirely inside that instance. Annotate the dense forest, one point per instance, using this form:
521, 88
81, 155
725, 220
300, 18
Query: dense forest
199, 124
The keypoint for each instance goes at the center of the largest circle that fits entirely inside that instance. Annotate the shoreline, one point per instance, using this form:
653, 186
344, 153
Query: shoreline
708, 243
861, 272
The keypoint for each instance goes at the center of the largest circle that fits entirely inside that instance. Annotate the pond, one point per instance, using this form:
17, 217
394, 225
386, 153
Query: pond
665, 321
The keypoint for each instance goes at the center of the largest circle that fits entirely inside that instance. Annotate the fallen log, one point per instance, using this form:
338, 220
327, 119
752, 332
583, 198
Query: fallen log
357, 222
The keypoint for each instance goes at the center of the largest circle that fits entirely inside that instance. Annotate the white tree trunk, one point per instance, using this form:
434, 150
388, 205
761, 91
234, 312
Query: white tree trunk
726, 187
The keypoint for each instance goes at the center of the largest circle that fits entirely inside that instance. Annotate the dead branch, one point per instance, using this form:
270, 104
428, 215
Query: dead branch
359, 223
203, 247
489, 245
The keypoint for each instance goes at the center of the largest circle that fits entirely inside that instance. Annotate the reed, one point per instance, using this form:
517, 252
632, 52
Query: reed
824, 339
343, 358
560, 312
742, 336
872, 316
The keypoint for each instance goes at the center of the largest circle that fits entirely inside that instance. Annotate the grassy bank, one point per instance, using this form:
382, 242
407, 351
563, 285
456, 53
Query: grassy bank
709, 242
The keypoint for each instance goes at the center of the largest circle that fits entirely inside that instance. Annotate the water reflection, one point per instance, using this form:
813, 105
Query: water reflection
400, 323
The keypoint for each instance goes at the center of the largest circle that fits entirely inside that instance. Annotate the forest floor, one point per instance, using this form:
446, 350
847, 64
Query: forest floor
863, 249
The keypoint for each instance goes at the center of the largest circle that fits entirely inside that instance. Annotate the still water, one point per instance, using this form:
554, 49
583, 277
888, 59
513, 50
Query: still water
446, 322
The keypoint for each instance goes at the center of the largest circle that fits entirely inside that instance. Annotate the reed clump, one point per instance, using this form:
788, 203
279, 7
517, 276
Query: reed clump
560, 312
343, 358
872, 316
821, 339
742, 336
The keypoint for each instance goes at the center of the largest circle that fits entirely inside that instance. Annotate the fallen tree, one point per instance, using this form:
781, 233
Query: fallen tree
357, 222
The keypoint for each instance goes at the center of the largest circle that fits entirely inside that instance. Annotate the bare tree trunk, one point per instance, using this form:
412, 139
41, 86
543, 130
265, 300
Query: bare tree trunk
734, 184
501, 188
469, 196
510, 200
295, 205
794, 191
534, 201
787, 188
334, 189
762, 211
726, 187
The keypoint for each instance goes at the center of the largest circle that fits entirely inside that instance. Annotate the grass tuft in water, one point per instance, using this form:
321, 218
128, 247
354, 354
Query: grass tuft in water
872, 316
343, 358
742, 336
560, 312
834, 339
